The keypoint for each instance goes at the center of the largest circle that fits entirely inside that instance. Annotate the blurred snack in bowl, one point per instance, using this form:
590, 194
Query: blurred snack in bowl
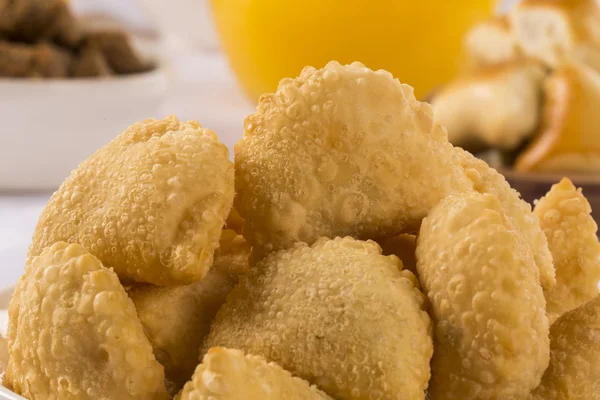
43, 40
91, 62
267, 40
118, 51
108, 52
556, 113
569, 138
495, 106
32, 20
44, 60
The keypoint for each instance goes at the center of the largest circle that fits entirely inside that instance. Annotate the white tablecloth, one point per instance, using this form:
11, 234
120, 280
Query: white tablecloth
204, 90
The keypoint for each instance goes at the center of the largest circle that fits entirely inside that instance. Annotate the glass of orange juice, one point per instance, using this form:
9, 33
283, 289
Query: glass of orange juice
418, 41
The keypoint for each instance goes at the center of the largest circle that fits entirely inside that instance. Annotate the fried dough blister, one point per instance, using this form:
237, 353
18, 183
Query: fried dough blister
142, 276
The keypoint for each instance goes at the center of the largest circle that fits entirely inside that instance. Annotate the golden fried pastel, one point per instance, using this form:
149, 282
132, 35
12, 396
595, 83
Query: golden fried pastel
487, 180
338, 314
564, 215
73, 333
574, 371
339, 151
491, 330
176, 320
151, 204
227, 374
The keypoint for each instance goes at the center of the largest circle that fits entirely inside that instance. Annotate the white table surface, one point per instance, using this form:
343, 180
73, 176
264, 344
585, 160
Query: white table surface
204, 89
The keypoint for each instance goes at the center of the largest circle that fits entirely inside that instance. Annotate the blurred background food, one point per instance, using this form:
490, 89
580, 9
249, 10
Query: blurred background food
527, 95
42, 39
528, 88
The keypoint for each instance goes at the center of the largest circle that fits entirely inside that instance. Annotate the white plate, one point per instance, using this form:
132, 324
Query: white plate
6, 394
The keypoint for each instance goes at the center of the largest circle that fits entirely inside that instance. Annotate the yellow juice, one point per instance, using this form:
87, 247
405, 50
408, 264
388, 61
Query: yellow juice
418, 41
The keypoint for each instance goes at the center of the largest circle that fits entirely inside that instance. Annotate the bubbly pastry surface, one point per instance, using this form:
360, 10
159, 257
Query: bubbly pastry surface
487, 305
339, 151
176, 320
227, 374
337, 314
487, 180
565, 216
574, 371
151, 204
73, 333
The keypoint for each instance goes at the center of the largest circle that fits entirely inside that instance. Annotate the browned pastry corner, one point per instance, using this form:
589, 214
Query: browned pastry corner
568, 139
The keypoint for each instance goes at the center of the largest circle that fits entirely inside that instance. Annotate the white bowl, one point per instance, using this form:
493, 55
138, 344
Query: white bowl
49, 126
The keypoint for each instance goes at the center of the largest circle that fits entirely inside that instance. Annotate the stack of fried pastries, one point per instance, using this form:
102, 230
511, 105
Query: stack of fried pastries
161, 269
